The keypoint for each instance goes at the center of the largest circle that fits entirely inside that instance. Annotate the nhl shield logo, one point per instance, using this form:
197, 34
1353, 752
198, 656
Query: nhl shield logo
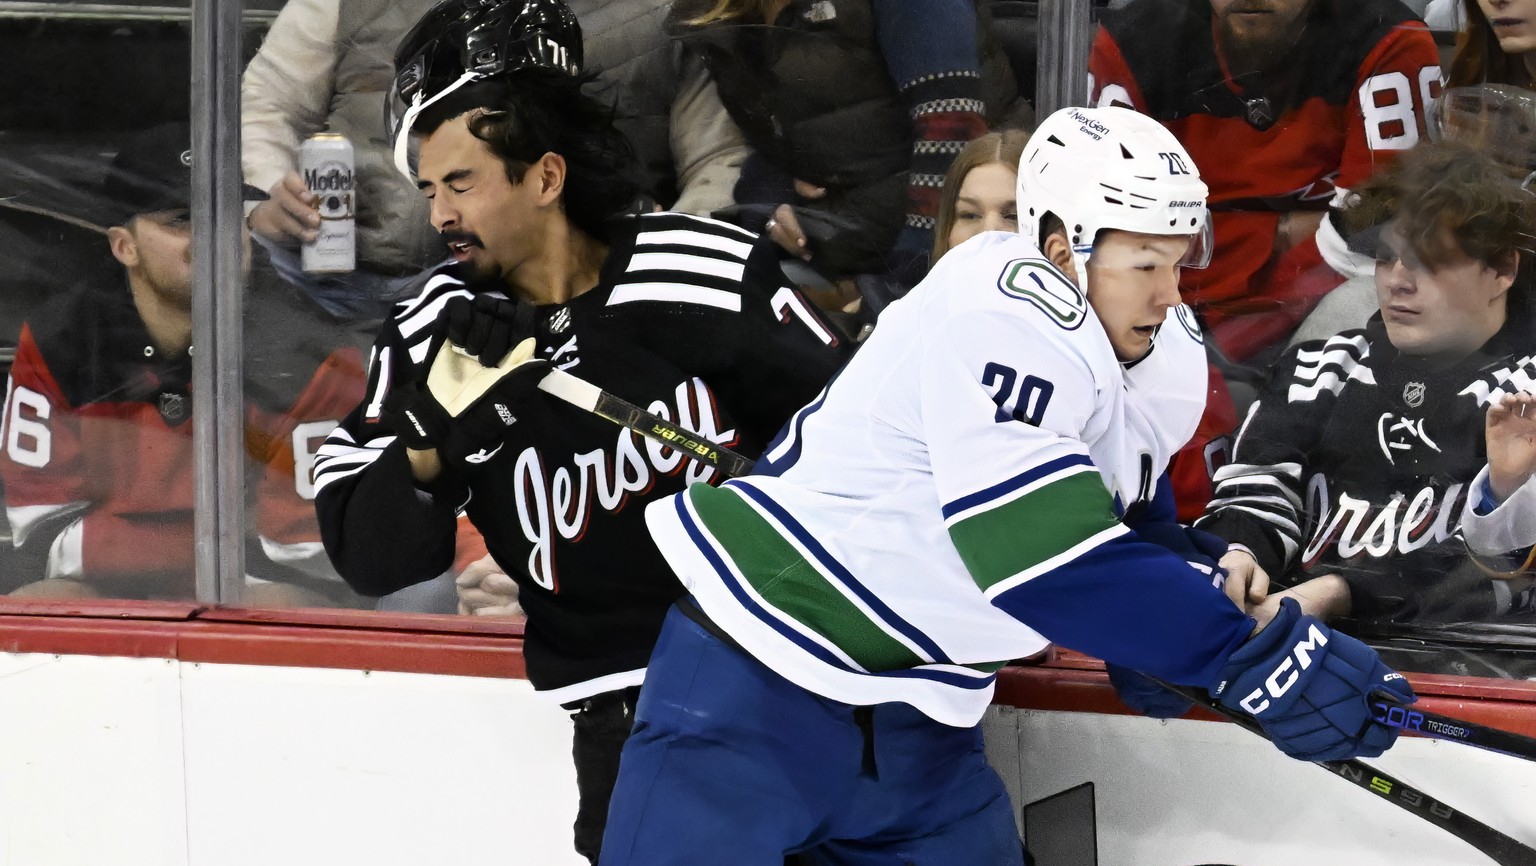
823, 10
1261, 114
560, 321
1413, 394
174, 407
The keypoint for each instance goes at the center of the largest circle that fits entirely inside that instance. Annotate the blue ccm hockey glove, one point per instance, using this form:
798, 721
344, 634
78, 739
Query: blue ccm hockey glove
1310, 688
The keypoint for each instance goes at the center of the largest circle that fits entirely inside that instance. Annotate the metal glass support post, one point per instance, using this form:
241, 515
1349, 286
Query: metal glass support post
1061, 68
217, 293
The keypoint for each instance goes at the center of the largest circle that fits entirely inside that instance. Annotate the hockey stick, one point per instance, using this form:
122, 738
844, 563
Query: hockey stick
61, 217
1503, 850
1456, 730
585, 395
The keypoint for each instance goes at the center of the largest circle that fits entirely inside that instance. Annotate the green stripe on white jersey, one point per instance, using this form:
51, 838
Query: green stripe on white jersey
788, 582
1061, 515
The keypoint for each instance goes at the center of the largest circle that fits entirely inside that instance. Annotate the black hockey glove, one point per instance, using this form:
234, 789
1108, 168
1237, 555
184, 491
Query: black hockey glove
422, 424
419, 421
487, 327
464, 409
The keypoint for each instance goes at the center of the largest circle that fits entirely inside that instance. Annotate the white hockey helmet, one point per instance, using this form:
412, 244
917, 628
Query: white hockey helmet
1111, 168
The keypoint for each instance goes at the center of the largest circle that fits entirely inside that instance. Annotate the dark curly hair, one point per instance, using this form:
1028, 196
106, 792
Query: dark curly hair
1446, 198
529, 113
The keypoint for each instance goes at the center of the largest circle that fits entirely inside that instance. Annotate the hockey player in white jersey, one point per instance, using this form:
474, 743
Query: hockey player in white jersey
980, 479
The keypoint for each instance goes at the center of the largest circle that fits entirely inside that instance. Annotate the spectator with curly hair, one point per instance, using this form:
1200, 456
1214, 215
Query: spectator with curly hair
1351, 475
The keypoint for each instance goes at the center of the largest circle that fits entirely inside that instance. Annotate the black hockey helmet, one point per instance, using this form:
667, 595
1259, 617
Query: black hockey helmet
462, 41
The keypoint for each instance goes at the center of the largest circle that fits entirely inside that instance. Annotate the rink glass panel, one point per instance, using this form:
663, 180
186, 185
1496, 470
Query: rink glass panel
82, 76
99, 454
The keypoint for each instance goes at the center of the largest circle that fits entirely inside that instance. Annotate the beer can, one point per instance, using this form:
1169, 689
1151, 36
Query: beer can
327, 165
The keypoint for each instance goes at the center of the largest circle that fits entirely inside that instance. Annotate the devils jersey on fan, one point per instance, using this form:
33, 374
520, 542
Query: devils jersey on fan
692, 320
98, 459
1357, 460
1352, 93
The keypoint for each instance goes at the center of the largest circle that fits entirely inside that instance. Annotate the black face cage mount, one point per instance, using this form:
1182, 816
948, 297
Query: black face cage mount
459, 42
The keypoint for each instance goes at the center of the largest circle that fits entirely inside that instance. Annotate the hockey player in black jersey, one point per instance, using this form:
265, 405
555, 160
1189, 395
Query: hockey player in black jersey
1354, 470
689, 318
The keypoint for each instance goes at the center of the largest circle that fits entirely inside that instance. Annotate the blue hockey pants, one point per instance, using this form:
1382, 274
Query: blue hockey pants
730, 763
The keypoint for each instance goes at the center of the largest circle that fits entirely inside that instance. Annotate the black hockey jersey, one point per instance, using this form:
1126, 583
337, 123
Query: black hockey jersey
1357, 460
691, 319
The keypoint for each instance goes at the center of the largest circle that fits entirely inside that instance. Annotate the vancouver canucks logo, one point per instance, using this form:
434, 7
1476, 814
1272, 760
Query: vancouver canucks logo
1042, 285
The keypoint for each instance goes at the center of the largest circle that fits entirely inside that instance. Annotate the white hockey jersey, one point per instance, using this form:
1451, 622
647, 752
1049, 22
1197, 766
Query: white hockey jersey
949, 502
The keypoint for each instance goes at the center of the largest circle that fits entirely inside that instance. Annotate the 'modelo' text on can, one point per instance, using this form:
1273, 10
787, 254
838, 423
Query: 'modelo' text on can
326, 163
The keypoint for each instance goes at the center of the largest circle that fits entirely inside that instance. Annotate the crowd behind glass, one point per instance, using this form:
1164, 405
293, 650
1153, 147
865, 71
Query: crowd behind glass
97, 450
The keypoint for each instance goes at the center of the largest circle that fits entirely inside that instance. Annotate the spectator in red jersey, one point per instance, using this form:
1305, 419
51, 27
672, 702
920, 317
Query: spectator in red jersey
1282, 104
98, 463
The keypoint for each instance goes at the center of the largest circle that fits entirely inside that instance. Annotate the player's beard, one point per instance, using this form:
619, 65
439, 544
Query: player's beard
479, 271
1248, 54
478, 267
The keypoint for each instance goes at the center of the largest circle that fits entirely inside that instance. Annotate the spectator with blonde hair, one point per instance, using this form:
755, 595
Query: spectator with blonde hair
979, 193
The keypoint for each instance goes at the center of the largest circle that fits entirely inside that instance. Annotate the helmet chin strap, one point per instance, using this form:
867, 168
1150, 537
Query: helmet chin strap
408, 120
1080, 257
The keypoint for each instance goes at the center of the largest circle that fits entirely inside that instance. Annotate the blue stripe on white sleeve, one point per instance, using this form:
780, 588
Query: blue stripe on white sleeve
1023, 479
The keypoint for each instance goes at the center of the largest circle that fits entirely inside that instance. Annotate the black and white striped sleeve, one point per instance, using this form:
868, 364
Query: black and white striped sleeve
722, 309
380, 530
1258, 500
